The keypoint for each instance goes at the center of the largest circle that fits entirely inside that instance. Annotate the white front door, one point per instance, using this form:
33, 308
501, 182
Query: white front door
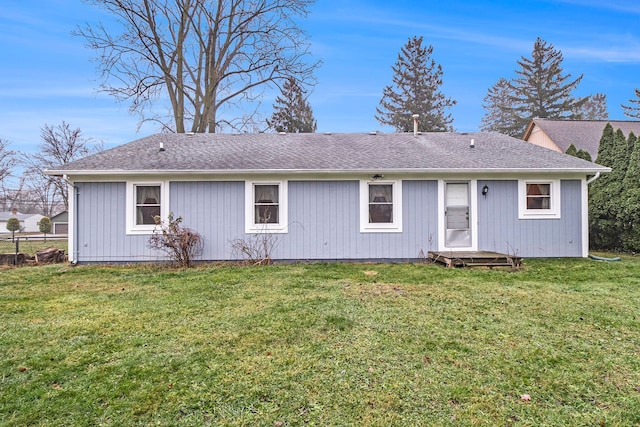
456, 215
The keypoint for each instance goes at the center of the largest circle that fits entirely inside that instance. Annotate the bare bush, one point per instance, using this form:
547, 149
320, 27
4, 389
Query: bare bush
182, 244
255, 249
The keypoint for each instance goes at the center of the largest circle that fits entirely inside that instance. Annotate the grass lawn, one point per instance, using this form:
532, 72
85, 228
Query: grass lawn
557, 343
30, 245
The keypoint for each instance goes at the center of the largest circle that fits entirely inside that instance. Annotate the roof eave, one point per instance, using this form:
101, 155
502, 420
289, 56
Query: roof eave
430, 171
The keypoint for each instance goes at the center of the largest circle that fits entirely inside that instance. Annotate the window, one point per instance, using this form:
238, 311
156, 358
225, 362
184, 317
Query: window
266, 207
381, 203
266, 204
539, 199
145, 201
380, 206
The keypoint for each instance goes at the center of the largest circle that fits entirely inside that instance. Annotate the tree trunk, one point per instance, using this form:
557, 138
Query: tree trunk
50, 255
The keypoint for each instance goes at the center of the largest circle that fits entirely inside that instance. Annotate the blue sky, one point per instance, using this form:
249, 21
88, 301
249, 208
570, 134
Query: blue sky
46, 75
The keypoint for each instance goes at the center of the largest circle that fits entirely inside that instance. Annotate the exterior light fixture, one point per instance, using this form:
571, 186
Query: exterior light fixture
485, 190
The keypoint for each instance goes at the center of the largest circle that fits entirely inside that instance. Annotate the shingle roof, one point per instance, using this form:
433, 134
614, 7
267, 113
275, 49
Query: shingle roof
4, 216
325, 152
583, 134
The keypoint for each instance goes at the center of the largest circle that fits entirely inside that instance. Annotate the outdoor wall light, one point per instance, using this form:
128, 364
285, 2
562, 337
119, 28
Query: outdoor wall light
485, 190
377, 176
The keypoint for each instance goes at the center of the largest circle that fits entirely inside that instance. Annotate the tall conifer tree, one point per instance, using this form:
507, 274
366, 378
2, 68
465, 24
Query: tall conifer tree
594, 108
605, 194
292, 112
497, 116
540, 90
629, 216
415, 90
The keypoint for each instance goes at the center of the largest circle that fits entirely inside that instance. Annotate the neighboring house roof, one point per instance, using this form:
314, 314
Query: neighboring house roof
61, 217
316, 152
4, 216
583, 134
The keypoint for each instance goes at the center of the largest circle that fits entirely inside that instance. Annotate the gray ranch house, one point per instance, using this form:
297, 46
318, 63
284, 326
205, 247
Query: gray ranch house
331, 196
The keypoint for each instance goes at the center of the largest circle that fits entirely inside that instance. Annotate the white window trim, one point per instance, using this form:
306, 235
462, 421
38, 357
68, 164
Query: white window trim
132, 227
250, 226
552, 213
393, 227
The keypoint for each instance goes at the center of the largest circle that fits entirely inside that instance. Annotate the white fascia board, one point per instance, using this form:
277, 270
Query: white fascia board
439, 172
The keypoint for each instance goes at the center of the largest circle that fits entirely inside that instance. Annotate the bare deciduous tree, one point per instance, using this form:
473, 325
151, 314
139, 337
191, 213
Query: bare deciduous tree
7, 161
60, 145
204, 56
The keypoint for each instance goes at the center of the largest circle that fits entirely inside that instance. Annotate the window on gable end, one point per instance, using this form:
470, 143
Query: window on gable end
539, 199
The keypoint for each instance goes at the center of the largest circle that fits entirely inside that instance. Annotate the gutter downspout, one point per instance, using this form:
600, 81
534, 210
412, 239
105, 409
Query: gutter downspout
593, 178
585, 214
73, 221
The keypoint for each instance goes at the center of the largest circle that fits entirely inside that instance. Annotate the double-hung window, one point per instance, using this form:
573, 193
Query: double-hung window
145, 202
539, 199
380, 206
148, 200
267, 203
266, 207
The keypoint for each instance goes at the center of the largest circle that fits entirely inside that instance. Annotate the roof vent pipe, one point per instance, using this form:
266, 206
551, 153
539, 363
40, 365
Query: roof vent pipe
415, 124
473, 143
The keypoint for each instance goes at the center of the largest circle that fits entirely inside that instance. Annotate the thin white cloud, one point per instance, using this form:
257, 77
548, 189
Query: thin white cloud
32, 90
627, 6
612, 54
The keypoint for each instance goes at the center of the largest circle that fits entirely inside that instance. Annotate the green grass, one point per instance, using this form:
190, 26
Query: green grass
323, 345
29, 245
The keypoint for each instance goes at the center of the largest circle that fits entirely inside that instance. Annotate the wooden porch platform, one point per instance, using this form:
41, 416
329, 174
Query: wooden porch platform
474, 259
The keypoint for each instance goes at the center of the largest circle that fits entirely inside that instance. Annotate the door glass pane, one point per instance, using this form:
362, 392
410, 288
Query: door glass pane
457, 194
457, 224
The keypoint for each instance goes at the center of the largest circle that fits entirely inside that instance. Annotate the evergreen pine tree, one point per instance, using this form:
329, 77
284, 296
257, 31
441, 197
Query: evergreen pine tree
633, 110
292, 112
606, 193
572, 151
415, 90
594, 108
539, 90
584, 155
581, 154
495, 103
631, 145
629, 216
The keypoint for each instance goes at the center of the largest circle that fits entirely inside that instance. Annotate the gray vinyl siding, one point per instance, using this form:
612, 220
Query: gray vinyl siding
101, 229
500, 229
324, 222
215, 210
